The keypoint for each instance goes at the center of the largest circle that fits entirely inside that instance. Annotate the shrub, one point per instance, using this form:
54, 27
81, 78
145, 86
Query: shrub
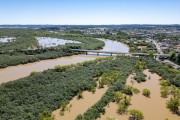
110, 77
140, 77
122, 108
136, 115
80, 95
146, 92
33, 73
46, 115
164, 92
123, 105
176, 80
118, 96
165, 83
173, 104
135, 90
79, 117
59, 68
128, 90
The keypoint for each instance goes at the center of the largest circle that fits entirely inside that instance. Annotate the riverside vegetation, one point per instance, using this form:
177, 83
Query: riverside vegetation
37, 95
25, 47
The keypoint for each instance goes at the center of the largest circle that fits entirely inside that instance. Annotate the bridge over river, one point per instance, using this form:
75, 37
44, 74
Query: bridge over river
117, 53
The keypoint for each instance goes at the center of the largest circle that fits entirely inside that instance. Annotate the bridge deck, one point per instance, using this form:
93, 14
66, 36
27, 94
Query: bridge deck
113, 52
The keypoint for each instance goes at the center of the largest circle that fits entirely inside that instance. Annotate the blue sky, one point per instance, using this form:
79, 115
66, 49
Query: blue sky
90, 12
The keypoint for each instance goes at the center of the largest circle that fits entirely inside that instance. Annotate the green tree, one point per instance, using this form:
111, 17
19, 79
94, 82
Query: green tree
80, 95
140, 65
79, 117
123, 105
178, 59
128, 90
165, 83
118, 96
136, 115
135, 90
173, 104
164, 92
173, 56
46, 115
146, 92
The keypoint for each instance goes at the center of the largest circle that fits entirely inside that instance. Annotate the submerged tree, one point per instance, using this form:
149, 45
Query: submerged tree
136, 115
146, 92
173, 104
46, 115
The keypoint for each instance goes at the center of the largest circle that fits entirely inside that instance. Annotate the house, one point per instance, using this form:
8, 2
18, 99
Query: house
177, 47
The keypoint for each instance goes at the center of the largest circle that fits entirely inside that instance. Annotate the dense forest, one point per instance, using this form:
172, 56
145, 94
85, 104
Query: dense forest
26, 49
29, 97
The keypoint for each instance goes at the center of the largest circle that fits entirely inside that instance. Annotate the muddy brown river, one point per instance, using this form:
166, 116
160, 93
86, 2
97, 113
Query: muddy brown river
16, 72
80, 106
19, 71
153, 108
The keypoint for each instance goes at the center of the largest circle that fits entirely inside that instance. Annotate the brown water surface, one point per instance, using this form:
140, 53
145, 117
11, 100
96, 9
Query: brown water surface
19, 71
80, 106
153, 108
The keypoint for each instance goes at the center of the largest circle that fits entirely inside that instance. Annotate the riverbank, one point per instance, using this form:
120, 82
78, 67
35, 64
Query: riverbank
15, 72
20, 71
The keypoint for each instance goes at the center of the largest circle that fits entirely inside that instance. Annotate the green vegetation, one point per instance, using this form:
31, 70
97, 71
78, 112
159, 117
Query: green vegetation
140, 77
118, 96
168, 89
129, 90
46, 115
80, 95
63, 107
165, 83
109, 77
135, 42
174, 102
164, 92
25, 48
28, 97
142, 46
136, 115
146, 92
175, 57
173, 105
123, 105
165, 72
168, 38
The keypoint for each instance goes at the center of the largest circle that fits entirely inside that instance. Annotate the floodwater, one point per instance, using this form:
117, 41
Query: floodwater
6, 39
80, 106
114, 46
52, 42
153, 108
19, 71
